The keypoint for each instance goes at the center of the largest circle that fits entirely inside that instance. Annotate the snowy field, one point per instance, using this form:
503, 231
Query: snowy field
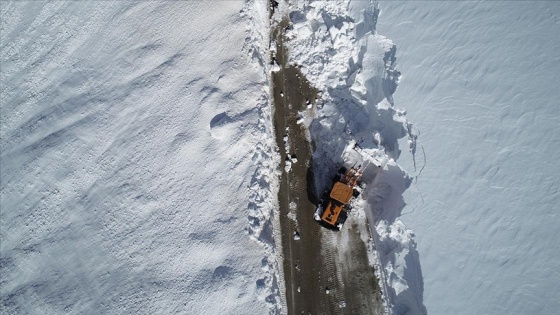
480, 83
135, 159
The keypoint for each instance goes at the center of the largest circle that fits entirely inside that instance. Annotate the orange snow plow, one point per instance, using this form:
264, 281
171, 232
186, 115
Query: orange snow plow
339, 197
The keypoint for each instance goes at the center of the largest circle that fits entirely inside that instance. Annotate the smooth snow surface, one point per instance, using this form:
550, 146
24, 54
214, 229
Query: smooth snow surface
480, 82
135, 159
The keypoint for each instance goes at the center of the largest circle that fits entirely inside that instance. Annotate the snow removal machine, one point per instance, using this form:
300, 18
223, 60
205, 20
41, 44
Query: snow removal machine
335, 212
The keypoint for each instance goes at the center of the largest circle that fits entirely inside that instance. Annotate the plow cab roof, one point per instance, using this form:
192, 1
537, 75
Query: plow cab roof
341, 193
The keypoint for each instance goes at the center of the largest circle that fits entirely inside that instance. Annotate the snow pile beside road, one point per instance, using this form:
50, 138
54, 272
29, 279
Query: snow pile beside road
335, 45
264, 190
133, 136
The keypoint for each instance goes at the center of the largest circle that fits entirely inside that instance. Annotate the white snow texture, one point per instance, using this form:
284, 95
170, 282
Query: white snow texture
139, 169
135, 158
480, 82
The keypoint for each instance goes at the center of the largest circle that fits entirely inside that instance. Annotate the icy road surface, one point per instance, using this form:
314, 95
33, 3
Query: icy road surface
480, 82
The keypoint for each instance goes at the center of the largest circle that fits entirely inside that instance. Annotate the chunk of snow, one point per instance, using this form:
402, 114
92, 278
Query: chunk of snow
318, 212
288, 165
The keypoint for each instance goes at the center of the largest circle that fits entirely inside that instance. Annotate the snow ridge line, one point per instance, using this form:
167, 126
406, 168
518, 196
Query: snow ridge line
263, 188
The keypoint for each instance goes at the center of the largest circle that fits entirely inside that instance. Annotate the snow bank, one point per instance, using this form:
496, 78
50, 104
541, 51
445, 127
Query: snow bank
133, 135
335, 45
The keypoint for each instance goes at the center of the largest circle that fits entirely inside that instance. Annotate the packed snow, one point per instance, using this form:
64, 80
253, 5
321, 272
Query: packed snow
136, 159
480, 82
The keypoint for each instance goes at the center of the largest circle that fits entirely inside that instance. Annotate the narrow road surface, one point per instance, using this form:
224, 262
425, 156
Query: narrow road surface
314, 282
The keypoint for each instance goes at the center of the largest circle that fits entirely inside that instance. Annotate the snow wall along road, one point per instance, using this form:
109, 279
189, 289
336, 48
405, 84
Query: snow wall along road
336, 46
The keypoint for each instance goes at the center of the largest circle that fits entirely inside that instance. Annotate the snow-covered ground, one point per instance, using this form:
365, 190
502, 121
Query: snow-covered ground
135, 158
480, 83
